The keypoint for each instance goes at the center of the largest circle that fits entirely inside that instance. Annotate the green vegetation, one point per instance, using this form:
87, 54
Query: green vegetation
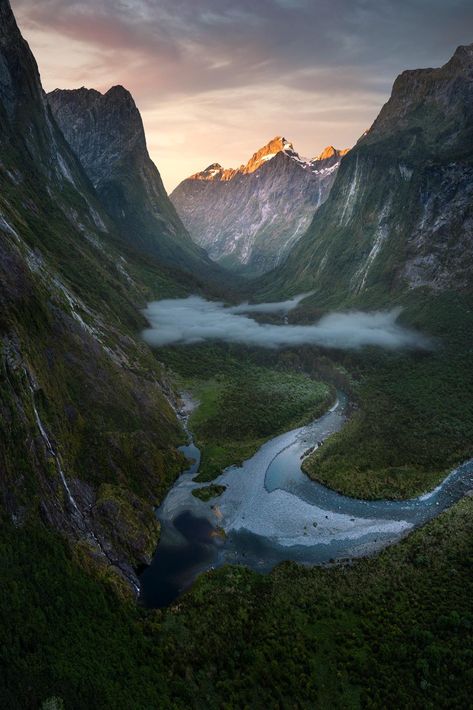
415, 416
129, 523
216, 452
239, 414
71, 320
243, 404
391, 631
206, 493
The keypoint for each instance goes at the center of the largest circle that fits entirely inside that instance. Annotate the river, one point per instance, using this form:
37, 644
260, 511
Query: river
271, 512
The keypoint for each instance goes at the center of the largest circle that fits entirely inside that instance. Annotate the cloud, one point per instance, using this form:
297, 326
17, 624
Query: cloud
195, 320
274, 307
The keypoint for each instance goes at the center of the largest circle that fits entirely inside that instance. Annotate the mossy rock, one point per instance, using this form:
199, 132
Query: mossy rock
206, 493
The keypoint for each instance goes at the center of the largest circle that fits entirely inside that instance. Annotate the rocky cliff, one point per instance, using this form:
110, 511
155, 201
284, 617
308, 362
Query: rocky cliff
106, 133
251, 217
87, 434
400, 213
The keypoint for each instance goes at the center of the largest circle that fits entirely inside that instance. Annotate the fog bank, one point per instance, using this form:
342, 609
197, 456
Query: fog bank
195, 320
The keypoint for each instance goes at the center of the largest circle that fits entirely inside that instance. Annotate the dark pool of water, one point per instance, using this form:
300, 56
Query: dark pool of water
174, 567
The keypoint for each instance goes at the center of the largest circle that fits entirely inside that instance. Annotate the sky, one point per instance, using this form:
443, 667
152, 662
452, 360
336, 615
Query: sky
217, 79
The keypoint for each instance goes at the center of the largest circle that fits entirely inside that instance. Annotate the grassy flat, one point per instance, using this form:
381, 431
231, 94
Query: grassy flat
238, 414
206, 493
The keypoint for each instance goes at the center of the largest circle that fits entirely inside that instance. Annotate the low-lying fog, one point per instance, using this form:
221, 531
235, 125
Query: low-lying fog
195, 320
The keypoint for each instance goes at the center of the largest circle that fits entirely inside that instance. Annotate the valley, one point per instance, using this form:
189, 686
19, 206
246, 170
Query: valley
268, 512
417, 592
366, 459
236, 423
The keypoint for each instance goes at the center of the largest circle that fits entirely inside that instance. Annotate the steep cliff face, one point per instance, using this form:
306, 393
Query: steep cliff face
400, 214
87, 436
251, 217
107, 135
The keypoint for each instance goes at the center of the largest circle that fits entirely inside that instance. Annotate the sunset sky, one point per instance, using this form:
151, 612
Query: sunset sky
216, 79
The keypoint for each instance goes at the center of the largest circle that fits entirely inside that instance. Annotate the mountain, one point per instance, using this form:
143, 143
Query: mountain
88, 441
400, 214
106, 133
250, 218
87, 433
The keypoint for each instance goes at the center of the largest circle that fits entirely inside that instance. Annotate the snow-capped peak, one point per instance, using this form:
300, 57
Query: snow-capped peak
277, 145
324, 163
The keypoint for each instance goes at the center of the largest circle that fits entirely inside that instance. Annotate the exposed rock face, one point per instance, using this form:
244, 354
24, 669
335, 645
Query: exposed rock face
400, 213
25, 113
83, 404
251, 217
107, 135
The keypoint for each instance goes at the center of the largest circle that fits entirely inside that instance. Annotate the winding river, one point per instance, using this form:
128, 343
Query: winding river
271, 511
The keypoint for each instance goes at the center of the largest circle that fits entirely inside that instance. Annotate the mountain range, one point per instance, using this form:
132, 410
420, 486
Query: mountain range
250, 218
90, 427
89, 235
